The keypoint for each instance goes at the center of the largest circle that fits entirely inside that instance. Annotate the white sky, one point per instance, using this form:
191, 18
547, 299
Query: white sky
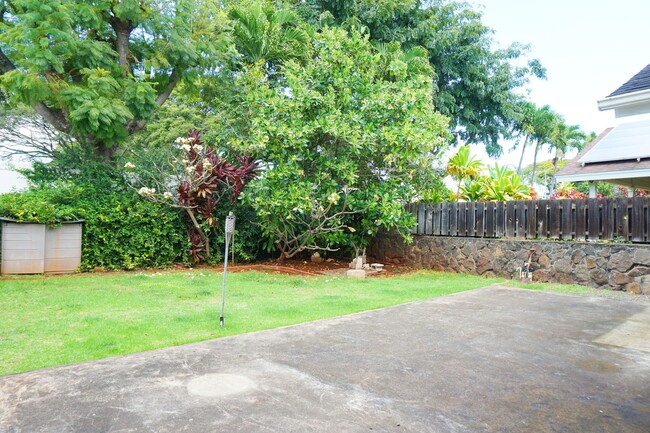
589, 48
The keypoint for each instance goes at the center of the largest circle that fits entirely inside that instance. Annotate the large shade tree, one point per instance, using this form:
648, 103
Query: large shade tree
475, 84
98, 69
346, 140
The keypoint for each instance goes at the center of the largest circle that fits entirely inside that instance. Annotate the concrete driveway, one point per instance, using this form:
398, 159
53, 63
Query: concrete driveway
490, 360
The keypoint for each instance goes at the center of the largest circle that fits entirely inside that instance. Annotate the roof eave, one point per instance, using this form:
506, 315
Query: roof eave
625, 100
604, 175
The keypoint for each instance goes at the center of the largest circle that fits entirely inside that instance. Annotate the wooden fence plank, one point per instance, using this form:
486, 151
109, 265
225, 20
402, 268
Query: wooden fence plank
428, 219
520, 218
637, 219
435, 219
647, 225
471, 219
480, 220
453, 219
511, 219
581, 220
444, 219
554, 221
462, 219
568, 218
421, 218
500, 229
607, 217
542, 219
531, 219
593, 212
621, 211
490, 220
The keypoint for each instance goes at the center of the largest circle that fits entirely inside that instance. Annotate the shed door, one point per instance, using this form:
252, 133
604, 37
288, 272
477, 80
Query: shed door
63, 248
23, 248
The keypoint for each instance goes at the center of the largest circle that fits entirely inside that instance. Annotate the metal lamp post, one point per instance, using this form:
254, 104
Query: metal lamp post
230, 232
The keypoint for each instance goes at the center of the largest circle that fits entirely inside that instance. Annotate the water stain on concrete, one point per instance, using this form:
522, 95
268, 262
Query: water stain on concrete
598, 366
632, 334
219, 385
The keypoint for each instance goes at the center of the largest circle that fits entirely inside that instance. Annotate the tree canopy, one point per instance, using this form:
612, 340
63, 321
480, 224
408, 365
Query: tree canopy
98, 69
345, 139
475, 84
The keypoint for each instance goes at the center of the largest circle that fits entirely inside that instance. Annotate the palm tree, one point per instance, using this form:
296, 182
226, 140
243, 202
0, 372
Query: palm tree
463, 166
264, 33
545, 123
566, 137
523, 125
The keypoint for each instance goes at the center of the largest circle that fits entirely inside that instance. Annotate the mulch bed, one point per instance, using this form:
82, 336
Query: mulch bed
306, 267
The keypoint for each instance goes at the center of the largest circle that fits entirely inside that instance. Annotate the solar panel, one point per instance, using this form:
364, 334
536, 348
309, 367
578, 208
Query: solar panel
624, 142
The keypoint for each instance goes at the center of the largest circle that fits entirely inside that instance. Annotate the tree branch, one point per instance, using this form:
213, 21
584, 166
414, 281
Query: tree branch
139, 124
173, 81
6, 65
56, 118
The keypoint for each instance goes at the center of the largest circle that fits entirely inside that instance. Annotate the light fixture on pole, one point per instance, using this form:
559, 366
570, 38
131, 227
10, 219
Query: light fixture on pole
230, 232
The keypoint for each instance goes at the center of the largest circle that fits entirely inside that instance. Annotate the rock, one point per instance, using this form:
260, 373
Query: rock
577, 256
581, 274
642, 255
639, 271
619, 279
599, 277
543, 261
633, 288
591, 262
621, 261
356, 273
563, 266
644, 283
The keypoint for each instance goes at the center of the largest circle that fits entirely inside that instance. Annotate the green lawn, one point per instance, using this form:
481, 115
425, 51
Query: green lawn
57, 320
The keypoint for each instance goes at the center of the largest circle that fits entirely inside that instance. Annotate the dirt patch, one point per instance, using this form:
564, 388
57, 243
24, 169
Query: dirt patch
305, 267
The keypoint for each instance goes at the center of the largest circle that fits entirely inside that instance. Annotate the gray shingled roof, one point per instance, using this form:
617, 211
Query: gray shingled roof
640, 81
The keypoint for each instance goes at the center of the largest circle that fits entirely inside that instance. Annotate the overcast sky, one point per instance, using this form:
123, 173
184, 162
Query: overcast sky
589, 49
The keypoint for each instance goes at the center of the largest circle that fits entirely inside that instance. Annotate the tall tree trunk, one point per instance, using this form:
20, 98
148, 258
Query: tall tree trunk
521, 158
532, 176
555, 161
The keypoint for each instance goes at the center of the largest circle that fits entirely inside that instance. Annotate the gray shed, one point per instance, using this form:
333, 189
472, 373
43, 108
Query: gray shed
29, 248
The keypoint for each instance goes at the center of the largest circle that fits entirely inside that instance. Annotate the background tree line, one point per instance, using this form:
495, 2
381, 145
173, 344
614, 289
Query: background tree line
346, 107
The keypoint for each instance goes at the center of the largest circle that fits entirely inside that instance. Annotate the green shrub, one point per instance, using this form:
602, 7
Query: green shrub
121, 230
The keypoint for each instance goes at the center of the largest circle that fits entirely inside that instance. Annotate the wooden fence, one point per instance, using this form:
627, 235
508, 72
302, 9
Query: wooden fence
625, 219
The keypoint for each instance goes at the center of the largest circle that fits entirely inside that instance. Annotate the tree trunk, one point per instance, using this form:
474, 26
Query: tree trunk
521, 158
532, 176
102, 150
204, 236
555, 161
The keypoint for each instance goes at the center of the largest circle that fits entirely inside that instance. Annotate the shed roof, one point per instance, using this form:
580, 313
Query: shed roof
640, 81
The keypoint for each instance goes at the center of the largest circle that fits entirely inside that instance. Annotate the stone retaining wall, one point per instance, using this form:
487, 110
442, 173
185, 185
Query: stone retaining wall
612, 266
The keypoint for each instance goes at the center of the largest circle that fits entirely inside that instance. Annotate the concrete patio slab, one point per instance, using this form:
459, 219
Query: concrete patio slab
489, 360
